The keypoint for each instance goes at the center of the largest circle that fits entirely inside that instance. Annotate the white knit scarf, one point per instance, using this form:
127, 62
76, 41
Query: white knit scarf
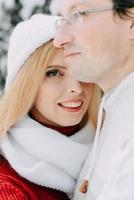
45, 156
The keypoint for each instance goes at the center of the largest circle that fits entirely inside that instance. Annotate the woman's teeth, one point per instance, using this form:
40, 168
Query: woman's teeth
71, 104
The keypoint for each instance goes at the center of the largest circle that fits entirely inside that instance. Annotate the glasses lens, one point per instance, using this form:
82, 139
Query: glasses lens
74, 18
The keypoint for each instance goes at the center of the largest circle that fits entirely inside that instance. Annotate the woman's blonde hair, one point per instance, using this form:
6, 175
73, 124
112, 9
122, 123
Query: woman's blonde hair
19, 97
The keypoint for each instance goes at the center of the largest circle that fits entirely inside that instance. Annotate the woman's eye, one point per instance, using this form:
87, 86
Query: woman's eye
54, 73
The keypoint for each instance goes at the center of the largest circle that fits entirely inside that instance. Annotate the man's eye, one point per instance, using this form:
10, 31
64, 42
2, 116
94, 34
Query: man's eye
77, 15
83, 13
54, 73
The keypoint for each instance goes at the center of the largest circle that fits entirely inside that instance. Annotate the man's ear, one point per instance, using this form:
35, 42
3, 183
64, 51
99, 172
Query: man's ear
131, 24
131, 29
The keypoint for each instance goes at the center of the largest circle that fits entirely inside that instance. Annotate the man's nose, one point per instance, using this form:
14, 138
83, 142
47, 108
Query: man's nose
63, 38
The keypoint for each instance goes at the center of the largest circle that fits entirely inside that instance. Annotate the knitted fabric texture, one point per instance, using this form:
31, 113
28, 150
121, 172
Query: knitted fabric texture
32, 150
25, 39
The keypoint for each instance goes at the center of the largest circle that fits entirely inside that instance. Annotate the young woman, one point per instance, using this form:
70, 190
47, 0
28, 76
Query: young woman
45, 136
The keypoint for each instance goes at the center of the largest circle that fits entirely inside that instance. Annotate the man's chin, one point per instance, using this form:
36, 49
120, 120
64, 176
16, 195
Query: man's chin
80, 77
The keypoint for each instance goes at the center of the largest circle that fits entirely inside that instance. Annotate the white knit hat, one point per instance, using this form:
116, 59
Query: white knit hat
25, 39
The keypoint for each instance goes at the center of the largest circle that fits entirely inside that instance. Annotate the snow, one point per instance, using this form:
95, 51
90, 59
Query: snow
12, 12
54, 7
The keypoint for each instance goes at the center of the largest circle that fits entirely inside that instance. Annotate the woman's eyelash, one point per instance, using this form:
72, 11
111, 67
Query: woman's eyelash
54, 73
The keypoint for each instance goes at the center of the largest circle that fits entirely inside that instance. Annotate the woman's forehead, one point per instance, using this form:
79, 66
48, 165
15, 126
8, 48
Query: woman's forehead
58, 58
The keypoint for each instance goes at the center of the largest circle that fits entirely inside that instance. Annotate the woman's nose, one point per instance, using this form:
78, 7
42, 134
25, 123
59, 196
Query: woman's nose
74, 87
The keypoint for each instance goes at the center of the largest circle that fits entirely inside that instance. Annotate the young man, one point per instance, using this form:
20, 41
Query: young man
98, 42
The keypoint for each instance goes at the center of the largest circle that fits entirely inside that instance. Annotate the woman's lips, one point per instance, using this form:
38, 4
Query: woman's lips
71, 106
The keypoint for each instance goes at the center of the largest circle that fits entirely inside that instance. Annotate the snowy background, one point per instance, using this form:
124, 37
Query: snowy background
12, 12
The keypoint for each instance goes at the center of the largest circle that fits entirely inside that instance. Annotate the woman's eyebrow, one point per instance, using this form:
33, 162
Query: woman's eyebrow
56, 66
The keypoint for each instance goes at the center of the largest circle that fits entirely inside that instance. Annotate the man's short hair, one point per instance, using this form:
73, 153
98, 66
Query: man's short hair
122, 8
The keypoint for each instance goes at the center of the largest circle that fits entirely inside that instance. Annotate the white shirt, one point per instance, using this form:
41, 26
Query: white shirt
110, 166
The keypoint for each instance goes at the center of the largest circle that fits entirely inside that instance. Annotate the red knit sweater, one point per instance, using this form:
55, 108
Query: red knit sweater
15, 187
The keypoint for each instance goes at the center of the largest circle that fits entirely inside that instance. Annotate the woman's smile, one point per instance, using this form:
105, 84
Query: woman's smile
72, 105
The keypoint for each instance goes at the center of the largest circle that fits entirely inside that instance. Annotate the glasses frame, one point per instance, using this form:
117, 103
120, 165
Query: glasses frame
78, 15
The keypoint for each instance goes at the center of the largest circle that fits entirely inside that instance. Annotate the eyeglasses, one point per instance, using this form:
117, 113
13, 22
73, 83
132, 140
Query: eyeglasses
78, 16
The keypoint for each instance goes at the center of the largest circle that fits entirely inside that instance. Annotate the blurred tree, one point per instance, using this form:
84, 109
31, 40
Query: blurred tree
12, 12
